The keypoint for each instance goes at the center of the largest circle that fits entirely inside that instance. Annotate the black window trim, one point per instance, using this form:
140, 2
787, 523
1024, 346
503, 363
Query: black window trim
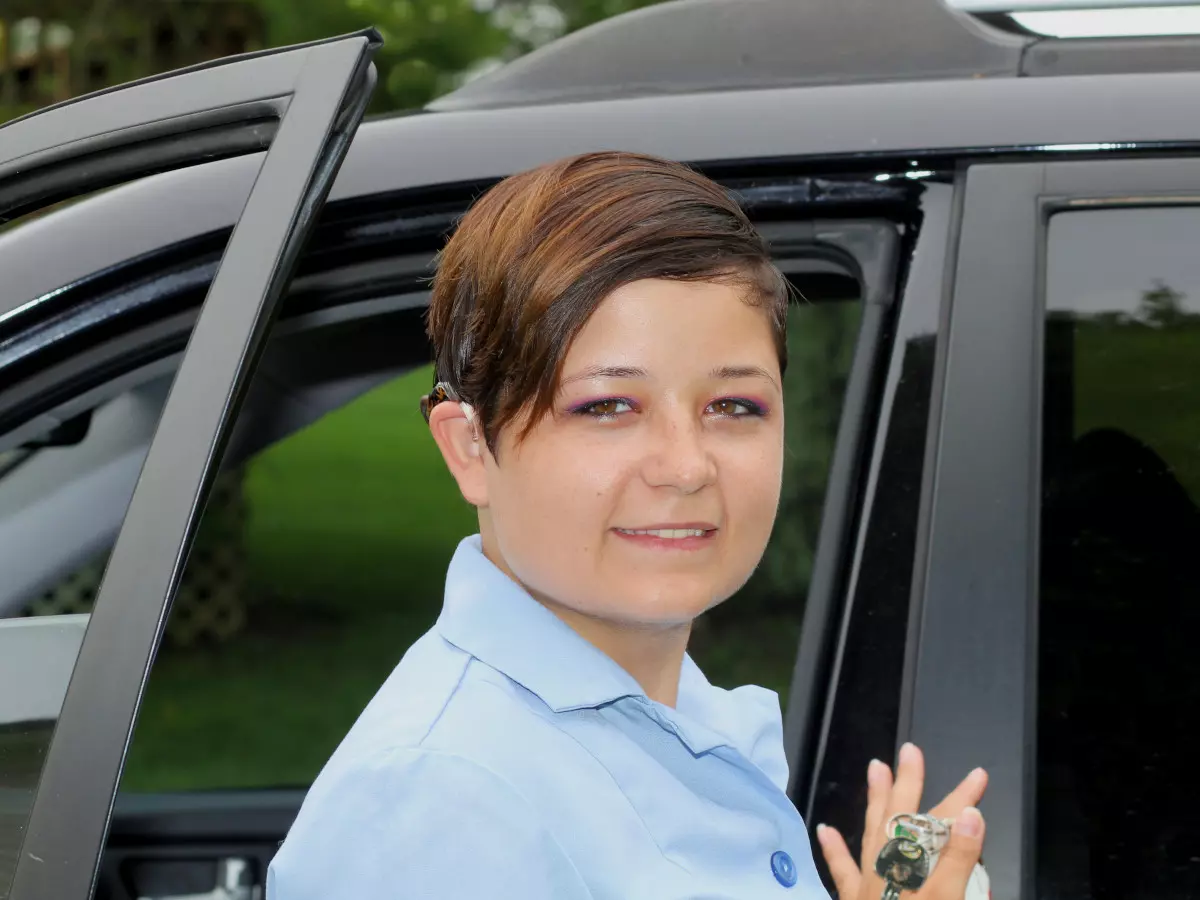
974, 691
923, 290
319, 92
874, 245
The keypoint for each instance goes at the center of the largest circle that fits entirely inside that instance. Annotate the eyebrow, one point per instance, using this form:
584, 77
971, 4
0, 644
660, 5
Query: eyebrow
729, 373
722, 373
606, 372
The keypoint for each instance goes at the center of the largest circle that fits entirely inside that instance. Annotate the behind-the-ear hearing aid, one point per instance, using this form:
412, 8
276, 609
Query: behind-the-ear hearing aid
469, 412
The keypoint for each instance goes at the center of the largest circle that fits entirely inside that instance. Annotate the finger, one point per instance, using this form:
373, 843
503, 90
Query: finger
841, 864
968, 793
957, 859
879, 792
910, 781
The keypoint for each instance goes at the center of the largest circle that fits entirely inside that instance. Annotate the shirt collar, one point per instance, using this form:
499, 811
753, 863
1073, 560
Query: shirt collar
489, 616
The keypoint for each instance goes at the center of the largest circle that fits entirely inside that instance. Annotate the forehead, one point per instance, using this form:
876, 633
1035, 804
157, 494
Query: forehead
680, 323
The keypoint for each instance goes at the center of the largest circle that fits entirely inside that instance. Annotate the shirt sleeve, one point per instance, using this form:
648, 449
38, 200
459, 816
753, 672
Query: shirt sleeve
421, 824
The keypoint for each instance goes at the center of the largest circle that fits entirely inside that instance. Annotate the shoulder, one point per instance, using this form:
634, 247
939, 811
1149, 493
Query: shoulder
441, 696
411, 821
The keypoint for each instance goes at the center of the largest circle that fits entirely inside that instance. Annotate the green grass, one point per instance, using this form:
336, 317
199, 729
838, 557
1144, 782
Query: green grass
359, 505
1146, 382
352, 523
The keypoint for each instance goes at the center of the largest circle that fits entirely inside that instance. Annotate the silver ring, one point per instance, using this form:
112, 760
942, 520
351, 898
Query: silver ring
931, 832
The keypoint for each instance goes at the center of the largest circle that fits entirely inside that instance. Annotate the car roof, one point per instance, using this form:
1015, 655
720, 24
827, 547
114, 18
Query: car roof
854, 125
689, 46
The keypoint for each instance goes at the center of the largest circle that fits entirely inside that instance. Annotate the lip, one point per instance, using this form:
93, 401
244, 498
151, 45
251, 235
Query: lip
667, 526
686, 544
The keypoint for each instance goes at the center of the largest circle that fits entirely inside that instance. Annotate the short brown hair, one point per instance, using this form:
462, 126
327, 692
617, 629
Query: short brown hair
533, 258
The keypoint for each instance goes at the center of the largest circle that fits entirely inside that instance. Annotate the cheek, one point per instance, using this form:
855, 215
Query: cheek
550, 509
752, 489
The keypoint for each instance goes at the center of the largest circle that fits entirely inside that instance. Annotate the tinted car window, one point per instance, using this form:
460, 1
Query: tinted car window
1119, 677
64, 491
36, 659
323, 558
863, 715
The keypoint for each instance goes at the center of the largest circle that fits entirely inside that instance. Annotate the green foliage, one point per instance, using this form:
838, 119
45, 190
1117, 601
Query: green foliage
581, 13
1162, 306
430, 46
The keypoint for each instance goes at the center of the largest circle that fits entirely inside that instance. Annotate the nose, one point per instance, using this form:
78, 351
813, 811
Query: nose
679, 457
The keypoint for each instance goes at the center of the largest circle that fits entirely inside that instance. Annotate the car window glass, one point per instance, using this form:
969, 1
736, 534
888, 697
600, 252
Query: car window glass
38, 654
863, 715
1118, 674
65, 484
322, 557
64, 491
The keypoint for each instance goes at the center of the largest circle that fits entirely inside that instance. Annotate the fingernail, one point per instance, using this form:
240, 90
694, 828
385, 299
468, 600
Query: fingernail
969, 823
907, 752
875, 769
822, 833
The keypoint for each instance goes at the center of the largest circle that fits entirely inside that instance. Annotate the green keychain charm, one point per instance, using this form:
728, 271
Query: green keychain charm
908, 858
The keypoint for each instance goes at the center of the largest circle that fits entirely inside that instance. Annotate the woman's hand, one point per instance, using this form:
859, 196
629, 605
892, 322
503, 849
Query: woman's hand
884, 800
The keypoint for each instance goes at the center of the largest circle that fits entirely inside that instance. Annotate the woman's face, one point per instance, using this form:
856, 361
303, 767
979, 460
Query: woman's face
648, 494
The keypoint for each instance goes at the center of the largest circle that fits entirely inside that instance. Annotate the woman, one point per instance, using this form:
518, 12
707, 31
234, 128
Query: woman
610, 343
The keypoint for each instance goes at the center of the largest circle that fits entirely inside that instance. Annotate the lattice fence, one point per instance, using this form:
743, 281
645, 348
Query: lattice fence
211, 602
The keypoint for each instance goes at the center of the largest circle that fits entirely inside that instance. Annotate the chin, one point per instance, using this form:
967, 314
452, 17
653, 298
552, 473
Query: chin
664, 608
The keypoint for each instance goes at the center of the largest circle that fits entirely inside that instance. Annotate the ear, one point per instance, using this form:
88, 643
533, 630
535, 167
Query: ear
457, 432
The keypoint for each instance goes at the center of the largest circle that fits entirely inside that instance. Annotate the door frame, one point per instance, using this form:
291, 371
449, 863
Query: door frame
974, 678
306, 102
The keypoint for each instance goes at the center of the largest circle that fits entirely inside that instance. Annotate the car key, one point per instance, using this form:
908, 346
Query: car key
908, 858
903, 864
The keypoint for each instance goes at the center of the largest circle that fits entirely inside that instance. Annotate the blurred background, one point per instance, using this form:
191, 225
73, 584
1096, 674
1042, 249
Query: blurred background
52, 50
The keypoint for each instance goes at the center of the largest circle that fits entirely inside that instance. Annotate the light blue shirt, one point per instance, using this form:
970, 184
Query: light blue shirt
506, 757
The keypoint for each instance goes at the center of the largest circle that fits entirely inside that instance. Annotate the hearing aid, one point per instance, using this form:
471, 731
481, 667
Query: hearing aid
469, 413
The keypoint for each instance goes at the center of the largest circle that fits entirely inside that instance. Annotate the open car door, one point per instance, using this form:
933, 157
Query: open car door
301, 105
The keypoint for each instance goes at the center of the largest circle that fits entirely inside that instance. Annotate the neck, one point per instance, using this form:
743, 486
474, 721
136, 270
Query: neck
653, 655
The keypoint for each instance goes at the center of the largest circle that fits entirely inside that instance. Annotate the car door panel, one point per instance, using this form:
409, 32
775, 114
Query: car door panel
873, 246
174, 845
317, 92
975, 679
866, 698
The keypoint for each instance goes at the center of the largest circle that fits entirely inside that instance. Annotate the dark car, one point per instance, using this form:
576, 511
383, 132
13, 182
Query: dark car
222, 520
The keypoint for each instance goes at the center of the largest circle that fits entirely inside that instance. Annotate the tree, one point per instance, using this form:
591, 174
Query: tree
431, 46
1162, 306
427, 43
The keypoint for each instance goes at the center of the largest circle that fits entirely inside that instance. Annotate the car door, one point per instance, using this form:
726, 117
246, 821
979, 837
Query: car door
301, 106
1056, 625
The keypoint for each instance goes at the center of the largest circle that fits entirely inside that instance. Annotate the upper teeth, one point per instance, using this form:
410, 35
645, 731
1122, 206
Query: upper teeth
669, 533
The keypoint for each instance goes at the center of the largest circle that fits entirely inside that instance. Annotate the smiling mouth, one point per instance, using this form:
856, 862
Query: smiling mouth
688, 533
670, 534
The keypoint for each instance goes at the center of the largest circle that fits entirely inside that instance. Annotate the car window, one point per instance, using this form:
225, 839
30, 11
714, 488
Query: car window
322, 557
38, 654
63, 496
1118, 691
863, 717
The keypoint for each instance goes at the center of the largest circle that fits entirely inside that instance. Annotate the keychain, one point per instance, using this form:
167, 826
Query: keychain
907, 859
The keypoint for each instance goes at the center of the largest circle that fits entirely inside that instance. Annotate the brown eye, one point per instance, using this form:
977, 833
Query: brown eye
733, 408
604, 409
